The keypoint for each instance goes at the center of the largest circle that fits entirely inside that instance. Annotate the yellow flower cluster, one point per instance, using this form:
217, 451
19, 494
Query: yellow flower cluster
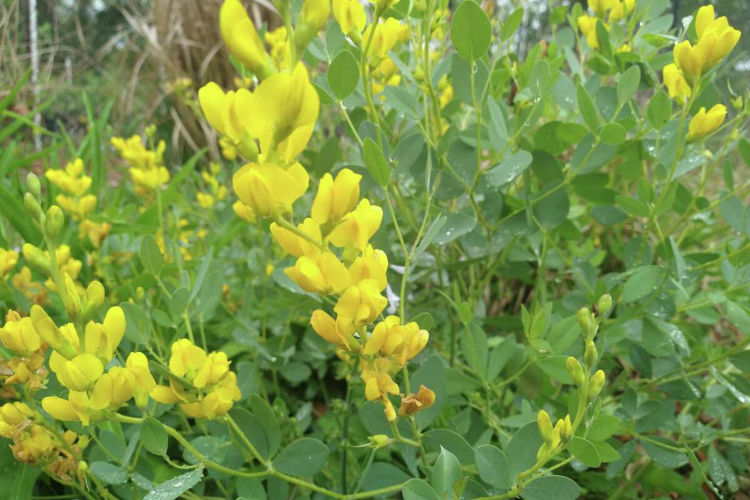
553, 437
69, 266
26, 367
35, 444
146, 166
76, 201
716, 39
202, 384
78, 360
8, 260
279, 116
215, 192
614, 10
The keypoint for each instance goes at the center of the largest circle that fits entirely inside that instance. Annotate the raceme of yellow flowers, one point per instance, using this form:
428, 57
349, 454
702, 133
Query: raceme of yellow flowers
77, 202
146, 166
614, 10
270, 126
716, 39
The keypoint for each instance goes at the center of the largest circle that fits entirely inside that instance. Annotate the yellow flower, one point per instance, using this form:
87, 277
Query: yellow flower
677, 86
329, 329
620, 9
213, 370
378, 382
102, 339
241, 38
382, 5
217, 402
387, 34
205, 200
64, 340
360, 304
390, 338
372, 264
350, 14
113, 389
716, 41
243, 211
18, 334
690, 60
186, 359
147, 170
704, 123
278, 41
95, 231
335, 198
8, 260
323, 274
297, 245
587, 25
286, 106
315, 13
230, 114
602, 6
12, 415
71, 179
144, 381
357, 227
268, 189
78, 373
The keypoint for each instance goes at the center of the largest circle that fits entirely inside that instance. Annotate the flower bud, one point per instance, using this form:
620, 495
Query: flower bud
604, 303
574, 370
70, 298
545, 427
54, 223
379, 441
596, 384
566, 429
33, 207
590, 356
33, 186
36, 258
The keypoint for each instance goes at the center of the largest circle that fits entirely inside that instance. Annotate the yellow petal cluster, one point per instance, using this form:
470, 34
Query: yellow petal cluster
209, 389
677, 86
351, 16
705, 122
146, 166
8, 260
242, 39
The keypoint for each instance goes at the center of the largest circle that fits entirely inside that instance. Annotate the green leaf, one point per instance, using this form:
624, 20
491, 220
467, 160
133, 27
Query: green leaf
303, 457
471, 33
376, 162
606, 452
343, 74
522, 447
200, 277
551, 488
641, 283
664, 456
154, 437
429, 236
150, 255
456, 225
659, 110
431, 374
419, 489
511, 167
585, 451
109, 473
603, 427
175, 487
511, 24
445, 473
474, 348
493, 466
633, 206
587, 108
24, 476
628, 84
452, 441
613, 133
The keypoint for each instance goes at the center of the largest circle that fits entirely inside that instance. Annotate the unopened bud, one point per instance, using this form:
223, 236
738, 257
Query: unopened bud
36, 258
33, 186
605, 302
95, 294
545, 427
737, 103
71, 301
566, 429
140, 293
584, 320
590, 356
83, 467
54, 223
390, 411
596, 384
379, 441
574, 370
33, 207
